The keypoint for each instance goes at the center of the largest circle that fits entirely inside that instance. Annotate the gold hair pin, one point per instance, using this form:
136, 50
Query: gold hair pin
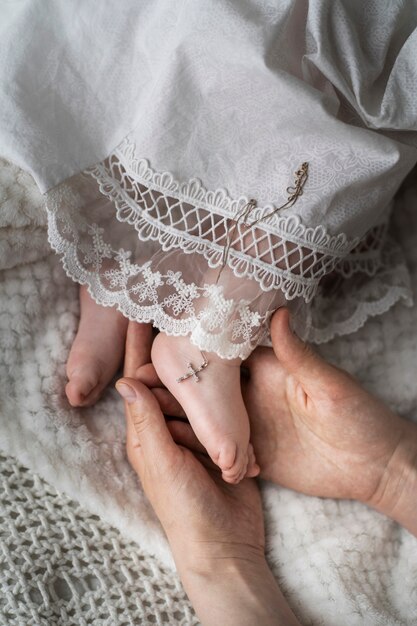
294, 192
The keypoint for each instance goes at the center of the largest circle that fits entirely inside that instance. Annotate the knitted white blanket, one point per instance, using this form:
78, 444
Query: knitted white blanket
338, 562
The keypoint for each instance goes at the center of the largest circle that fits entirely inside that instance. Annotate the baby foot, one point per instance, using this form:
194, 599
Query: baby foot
96, 353
213, 405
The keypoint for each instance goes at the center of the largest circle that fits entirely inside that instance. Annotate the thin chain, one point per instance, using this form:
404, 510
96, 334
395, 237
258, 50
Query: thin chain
243, 215
301, 176
294, 192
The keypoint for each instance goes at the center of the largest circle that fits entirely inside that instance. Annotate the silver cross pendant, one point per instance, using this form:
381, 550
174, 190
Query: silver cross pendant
192, 372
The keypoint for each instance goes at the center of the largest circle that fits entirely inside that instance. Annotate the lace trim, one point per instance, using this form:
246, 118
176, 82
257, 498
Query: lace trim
366, 257
225, 326
362, 313
361, 298
280, 253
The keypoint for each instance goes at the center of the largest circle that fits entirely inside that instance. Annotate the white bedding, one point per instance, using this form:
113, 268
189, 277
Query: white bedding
338, 562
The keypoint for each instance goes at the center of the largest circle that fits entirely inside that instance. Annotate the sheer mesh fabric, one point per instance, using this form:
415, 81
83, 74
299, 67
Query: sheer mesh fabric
155, 248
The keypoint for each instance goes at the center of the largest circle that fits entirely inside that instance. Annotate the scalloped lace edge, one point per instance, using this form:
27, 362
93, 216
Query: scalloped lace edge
198, 336
219, 201
289, 227
154, 314
363, 312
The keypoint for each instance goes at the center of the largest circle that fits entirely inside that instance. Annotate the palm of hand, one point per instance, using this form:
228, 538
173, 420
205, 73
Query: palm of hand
329, 438
213, 510
193, 488
197, 508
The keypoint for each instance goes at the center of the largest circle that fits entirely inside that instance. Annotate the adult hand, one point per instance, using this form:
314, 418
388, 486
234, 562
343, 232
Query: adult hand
139, 339
215, 529
316, 430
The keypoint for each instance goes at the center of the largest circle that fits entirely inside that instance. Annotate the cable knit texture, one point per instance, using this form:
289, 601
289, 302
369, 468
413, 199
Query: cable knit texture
338, 562
62, 565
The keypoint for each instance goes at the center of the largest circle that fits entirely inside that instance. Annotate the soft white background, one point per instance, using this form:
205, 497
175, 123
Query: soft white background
339, 563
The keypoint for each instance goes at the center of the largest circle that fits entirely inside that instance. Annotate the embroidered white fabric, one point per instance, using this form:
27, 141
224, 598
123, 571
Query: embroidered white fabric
343, 306
177, 279
236, 95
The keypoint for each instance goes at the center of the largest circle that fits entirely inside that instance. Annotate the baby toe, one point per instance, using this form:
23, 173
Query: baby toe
234, 476
227, 455
83, 387
237, 471
253, 468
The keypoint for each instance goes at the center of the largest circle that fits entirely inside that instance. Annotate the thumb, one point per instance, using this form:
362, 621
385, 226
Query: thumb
138, 347
295, 356
149, 424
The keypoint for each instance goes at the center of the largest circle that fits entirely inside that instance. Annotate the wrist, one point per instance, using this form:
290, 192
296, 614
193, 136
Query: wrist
396, 495
209, 564
233, 585
205, 558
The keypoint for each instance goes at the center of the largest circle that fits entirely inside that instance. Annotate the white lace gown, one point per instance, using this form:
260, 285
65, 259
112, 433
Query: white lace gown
150, 125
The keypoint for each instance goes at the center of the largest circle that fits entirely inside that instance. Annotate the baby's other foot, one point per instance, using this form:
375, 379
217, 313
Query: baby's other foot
96, 353
212, 401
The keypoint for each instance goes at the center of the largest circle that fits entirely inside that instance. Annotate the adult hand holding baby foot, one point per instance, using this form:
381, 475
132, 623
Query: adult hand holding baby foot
213, 424
215, 530
316, 430
214, 406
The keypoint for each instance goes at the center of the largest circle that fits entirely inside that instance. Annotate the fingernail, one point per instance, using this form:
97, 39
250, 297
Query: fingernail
127, 392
